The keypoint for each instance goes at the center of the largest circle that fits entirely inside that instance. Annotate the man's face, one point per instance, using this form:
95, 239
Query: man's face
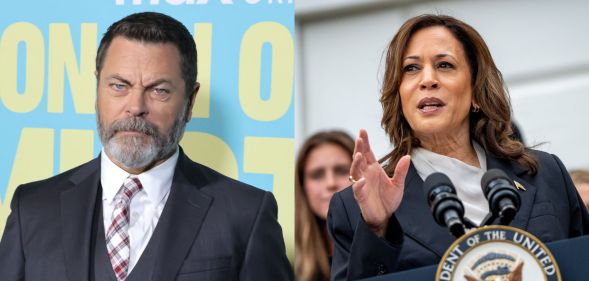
142, 105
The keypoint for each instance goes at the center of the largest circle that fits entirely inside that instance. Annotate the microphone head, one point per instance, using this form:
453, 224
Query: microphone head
490, 176
437, 179
504, 201
447, 209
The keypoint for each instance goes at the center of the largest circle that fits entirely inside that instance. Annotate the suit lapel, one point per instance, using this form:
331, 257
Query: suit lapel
181, 219
515, 172
77, 210
415, 216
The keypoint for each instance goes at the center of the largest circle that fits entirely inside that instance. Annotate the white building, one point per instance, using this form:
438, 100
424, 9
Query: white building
541, 47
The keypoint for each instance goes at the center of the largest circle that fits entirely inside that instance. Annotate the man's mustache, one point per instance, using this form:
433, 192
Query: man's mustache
132, 124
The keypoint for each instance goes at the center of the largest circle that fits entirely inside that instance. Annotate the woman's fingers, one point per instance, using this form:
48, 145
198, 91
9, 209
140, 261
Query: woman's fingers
358, 166
358, 186
401, 170
365, 145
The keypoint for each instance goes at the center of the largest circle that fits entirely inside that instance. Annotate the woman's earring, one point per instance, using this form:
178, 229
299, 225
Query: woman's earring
476, 108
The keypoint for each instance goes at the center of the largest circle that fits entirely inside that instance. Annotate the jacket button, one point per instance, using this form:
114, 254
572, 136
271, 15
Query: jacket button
381, 269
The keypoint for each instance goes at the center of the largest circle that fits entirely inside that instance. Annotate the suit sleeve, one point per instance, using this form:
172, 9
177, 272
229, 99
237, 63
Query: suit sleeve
357, 251
265, 257
579, 218
12, 261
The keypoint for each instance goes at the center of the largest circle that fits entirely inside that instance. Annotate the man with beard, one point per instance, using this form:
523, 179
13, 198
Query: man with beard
142, 210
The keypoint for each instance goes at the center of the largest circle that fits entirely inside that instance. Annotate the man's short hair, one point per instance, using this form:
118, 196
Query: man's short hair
151, 27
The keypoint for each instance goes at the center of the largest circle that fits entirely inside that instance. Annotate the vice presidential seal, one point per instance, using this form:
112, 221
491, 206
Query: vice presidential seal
497, 253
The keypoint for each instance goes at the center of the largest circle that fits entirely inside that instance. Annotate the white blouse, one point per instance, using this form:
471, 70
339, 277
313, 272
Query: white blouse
466, 178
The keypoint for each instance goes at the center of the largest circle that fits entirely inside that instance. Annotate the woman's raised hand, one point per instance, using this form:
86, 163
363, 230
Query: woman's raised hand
377, 195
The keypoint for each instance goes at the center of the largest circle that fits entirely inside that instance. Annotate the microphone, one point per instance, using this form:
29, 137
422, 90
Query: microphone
504, 201
447, 209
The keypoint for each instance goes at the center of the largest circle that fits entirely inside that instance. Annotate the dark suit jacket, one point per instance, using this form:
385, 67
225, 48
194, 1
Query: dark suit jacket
211, 228
550, 209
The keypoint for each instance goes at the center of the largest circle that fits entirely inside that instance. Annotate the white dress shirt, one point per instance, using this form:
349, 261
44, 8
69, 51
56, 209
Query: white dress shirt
146, 206
466, 178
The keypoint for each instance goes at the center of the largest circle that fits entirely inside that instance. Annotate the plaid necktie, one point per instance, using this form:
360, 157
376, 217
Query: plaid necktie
117, 237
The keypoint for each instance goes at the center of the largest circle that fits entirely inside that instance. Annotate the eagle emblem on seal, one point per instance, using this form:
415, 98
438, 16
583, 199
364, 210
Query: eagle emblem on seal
495, 266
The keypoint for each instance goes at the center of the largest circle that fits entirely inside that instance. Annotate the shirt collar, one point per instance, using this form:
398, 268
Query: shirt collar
427, 162
156, 181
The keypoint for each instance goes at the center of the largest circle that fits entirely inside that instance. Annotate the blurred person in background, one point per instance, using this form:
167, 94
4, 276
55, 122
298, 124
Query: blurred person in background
445, 109
322, 168
581, 180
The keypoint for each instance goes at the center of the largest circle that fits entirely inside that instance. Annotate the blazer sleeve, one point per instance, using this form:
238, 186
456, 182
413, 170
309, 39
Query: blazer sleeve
579, 218
357, 251
265, 257
12, 261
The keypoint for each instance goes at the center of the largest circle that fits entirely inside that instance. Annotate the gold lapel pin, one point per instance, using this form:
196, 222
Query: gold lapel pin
519, 186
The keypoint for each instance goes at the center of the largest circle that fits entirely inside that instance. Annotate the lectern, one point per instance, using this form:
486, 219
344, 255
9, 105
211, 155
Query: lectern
572, 256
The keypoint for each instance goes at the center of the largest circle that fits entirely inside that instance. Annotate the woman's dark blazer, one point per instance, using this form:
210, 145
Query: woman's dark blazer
550, 209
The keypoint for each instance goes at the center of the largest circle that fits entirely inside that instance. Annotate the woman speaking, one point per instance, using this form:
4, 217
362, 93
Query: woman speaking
446, 109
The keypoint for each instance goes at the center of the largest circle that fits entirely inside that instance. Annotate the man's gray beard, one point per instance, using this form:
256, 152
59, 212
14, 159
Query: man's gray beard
139, 151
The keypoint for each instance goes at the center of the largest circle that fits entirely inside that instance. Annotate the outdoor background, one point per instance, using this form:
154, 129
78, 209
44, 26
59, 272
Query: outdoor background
540, 46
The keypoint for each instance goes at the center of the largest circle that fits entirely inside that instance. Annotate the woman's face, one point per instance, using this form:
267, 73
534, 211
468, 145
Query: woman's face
436, 84
326, 172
